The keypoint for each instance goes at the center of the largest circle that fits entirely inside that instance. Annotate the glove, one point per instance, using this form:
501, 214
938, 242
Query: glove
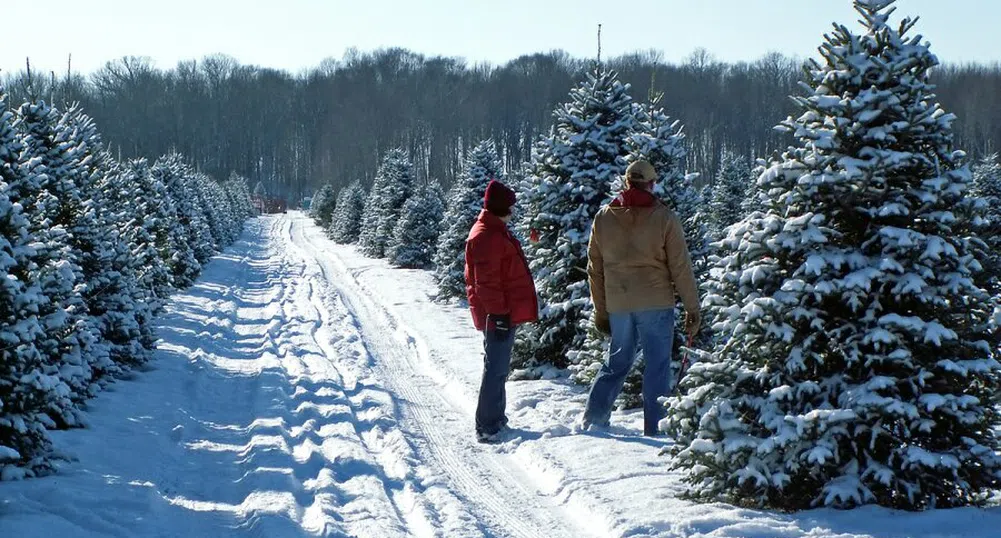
602, 324
500, 324
693, 321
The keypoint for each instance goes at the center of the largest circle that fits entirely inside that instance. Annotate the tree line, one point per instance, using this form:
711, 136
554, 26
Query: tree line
90, 250
332, 124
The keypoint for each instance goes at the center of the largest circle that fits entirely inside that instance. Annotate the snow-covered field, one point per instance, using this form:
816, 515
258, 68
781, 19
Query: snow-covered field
303, 389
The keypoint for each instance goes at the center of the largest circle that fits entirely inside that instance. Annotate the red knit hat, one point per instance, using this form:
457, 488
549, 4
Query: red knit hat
499, 198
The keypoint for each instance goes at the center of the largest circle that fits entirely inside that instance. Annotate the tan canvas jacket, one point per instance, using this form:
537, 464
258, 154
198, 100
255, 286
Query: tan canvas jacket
638, 260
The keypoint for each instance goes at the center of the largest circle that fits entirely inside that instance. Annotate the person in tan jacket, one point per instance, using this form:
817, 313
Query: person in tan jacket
638, 266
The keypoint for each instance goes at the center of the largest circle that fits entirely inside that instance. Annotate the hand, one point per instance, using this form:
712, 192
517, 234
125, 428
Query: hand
499, 323
602, 324
693, 321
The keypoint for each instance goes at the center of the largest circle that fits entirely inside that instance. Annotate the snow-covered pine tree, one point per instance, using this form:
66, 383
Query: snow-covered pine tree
214, 206
345, 227
342, 195
27, 392
659, 140
150, 230
987, 185
571, 177
465, 201
859, 363
230, 223
238, 191
393, 184
260, 190
417, 231
54, 208
113, 302
126, 212
753, 194
729, 192
323, 205
191, 241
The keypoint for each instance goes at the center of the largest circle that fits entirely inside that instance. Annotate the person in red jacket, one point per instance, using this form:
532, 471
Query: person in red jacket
501, 296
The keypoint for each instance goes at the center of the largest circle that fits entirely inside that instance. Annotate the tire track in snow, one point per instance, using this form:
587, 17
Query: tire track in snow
296, 451
488, 481
423, 500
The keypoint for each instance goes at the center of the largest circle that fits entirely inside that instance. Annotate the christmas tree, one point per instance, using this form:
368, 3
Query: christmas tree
345, 226
729, 192
55, 211
858, 358
659, 140
987, 186
571, 177
323, 205
191, 241
392, 187
27, 392
465, 201
416, 234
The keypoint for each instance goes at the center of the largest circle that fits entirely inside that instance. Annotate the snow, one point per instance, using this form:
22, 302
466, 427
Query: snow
301, 388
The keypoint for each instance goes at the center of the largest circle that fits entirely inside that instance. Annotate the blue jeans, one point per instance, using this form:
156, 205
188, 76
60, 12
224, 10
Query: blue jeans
490, 417
653, 332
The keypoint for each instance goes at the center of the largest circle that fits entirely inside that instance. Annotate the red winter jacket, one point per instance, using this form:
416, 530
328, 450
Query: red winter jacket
497, 277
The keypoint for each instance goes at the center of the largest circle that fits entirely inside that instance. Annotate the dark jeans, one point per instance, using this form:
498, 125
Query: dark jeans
490, 417
653, 332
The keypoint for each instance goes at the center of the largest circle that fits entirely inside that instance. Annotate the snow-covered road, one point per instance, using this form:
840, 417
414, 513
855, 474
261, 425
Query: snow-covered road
302, 389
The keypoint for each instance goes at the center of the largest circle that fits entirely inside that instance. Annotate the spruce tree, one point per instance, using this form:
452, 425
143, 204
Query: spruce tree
117, 310
571, 177
659, 140
55, 211
214, 209
27, 392
417, 232
190, 239
323, 205
729, 192
150, 231
345, 226
987, 186
392, 187
858, 362
465, 201
238, 191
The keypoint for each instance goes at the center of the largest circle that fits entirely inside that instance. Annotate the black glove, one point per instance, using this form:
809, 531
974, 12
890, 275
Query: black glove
499, 324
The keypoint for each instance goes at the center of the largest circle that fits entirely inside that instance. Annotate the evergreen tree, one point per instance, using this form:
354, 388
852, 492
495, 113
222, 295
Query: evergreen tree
860, 359
391, 189
754, 197
659, 140
190, 240
27, 392
260, 191
55, 211
323, 205
571, 177
238, 192
117, 310
987, 186
729, 193
214, 208
345, 226
150, 230
465, 201
417, 232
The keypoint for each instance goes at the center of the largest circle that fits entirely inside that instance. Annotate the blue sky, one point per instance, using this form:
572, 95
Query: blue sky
297, 34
